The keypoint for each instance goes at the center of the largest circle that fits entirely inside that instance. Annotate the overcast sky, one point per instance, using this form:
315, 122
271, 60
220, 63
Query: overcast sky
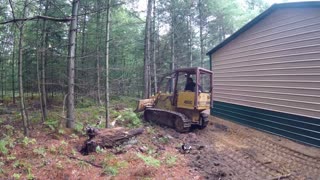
142, 6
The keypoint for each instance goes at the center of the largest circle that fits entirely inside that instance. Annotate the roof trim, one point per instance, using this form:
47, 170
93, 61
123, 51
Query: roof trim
262, 16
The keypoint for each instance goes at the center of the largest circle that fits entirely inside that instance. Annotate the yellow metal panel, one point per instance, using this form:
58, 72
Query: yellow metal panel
164, 101
186, 100
204, 101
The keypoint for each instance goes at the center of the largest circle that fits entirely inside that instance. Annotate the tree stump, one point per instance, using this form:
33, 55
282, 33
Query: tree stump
107, 138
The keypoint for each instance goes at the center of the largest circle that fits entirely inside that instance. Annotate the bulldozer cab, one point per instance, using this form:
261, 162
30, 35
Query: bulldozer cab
188, 88
192, 88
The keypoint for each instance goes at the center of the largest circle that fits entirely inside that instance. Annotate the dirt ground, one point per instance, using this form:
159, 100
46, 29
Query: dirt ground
223, 150
237, 152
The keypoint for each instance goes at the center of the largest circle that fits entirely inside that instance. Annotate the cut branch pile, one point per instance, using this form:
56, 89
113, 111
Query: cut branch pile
107, 138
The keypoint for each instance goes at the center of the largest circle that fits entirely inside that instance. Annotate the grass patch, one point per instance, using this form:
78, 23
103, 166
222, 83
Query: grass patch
170, 160
40, 151
149, 160
111, 166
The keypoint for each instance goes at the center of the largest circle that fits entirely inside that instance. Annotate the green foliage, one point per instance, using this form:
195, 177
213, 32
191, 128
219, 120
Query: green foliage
164, 140
53, 149
1, 170
113, 168
24, 166
3, 149
151, 151
99, 149
85, 103
52, 121
79, 128
59, 165
61, 131
16, 176
40, 151
29, 175
73, 152
110, 170
126, 102
9, 158
62, 147
26, 141
16, 164
170, 160
5, 143
149, 160
74, 136
83, 165
9, 129
130, 119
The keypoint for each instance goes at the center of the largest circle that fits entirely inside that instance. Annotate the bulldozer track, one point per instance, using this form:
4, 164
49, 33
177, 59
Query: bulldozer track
237, 153
165, 115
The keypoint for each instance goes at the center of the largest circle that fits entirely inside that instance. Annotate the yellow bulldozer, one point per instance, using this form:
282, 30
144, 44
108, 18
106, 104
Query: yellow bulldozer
183, 102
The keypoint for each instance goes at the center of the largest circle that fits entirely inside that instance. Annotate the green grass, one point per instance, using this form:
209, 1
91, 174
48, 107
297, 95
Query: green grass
40, 151
149, 160
170, 160
111, 167
3, 147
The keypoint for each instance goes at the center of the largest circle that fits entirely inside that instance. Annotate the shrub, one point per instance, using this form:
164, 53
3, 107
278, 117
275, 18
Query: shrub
130, 119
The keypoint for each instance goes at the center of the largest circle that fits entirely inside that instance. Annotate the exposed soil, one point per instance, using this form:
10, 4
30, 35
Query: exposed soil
237, 152
223, 150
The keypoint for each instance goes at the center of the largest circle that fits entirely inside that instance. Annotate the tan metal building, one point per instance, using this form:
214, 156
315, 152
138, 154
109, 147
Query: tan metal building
267, 74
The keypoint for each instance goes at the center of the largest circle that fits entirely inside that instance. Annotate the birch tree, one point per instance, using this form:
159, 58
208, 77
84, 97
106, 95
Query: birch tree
147, 51
107, 63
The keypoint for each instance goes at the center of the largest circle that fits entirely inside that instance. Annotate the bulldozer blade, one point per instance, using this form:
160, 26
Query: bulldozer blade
142, 104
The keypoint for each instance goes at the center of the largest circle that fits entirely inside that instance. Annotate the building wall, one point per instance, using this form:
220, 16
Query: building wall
273, 66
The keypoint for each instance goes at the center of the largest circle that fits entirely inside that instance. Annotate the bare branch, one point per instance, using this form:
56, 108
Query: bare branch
38, 17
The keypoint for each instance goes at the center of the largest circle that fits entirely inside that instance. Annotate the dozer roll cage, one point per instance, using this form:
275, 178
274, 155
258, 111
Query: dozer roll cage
197, 71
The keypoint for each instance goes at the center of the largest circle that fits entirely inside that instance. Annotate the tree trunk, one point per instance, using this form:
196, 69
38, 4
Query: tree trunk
2, 79
172, 43
20, 74
98, 51
38, 56
154, 49
12, 65
83, 45
107, 63
147, 51
44, 43
39, 86
190, 40
201, 32
71, 65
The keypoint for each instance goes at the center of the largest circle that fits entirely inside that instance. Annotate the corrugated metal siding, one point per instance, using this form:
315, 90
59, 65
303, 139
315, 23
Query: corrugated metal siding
274, 65
300, 128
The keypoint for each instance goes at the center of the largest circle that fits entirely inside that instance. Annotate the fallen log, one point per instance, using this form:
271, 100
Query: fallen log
107, 138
